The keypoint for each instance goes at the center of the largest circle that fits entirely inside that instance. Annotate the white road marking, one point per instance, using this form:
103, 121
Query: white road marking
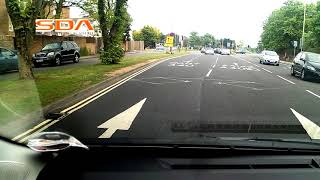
213, 66
266, 70
93, 97
39, 130
286, 79
208, 74
313, 93
121, 121
113, 85
312, 129
31, 130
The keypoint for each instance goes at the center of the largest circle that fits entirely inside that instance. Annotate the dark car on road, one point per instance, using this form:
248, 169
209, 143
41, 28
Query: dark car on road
8, 60
306, 65
57, 52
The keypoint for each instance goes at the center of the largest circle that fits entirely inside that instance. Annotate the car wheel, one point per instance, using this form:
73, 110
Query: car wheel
277, 64
57, 61
303, 75
292, 71
76, 58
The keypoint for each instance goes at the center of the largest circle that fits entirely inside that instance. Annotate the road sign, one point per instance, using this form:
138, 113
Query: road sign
169, 41
295, 44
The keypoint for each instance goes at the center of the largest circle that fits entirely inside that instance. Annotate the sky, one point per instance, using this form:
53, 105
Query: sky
241, 20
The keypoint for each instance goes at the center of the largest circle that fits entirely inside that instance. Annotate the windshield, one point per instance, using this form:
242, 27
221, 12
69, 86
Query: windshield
271, 53
152, 71
313, 57
51, 46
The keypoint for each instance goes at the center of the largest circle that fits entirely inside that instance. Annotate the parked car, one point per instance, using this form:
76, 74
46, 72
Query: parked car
209, 51
8, 60
203, 50
225, 52
269, 57
306, 65
55, 53
217, 50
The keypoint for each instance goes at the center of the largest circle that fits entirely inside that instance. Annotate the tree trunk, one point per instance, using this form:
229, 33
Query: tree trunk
59, 6
103, 22
25, 60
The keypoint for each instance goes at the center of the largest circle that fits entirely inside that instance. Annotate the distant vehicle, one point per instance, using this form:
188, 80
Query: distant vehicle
217, 50
160, 48
209, 51
306, 65
269, 57
55, 53
240, 52
8, 60
203, 50
225, 52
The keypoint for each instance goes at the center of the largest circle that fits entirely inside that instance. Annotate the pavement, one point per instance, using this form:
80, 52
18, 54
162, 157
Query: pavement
196, 95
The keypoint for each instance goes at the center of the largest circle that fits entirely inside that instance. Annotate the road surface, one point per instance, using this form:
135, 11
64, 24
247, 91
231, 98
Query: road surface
198, 95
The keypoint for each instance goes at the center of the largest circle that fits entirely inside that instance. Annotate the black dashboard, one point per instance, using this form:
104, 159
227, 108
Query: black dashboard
154, 163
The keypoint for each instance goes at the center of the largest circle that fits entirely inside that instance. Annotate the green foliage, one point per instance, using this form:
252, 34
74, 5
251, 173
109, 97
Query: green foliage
114, 21
285, 25
194, 39
112, 55
84, 51
150, 35
199, 41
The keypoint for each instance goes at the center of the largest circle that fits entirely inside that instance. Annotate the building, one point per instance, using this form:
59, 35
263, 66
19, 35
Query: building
6, 30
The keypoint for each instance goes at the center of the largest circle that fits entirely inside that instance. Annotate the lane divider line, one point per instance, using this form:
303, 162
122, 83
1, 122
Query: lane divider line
286, 79
31, 130
313, 93
46, 124
266, 70
208, 74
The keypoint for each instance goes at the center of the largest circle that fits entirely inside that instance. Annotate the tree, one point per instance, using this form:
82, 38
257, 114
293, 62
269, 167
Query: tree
150, 35
23, 14
207, 40
284, 25
112, 19
194, 39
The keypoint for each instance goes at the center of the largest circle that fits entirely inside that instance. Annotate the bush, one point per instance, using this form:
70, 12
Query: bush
84, 51
111, 55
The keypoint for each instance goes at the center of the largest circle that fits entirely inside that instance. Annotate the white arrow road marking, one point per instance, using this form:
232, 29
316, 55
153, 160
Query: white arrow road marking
312, 129
121, 121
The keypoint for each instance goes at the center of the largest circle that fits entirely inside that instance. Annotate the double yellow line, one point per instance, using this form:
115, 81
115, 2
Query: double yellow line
21, 138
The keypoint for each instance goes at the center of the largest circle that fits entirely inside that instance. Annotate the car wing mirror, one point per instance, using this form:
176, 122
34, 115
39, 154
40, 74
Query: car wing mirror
53, 142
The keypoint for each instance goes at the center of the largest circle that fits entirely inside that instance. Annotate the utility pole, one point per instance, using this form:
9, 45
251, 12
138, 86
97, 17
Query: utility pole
304, 24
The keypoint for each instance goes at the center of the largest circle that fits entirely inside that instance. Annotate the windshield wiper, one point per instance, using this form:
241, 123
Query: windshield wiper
266, 142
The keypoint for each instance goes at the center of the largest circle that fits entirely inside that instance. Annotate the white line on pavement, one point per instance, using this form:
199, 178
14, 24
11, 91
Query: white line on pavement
266, 70
86, 101
313, 93
286, 79
103, 90
208, 74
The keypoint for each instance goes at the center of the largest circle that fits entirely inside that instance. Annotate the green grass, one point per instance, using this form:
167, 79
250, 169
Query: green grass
19, 97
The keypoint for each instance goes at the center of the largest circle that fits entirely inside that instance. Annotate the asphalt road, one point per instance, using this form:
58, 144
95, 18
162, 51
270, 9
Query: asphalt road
198, 95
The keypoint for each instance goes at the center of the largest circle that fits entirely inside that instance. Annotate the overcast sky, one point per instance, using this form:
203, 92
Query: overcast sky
235, 19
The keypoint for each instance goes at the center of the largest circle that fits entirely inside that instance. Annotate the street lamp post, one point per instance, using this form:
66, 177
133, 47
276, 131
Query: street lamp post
304, 24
